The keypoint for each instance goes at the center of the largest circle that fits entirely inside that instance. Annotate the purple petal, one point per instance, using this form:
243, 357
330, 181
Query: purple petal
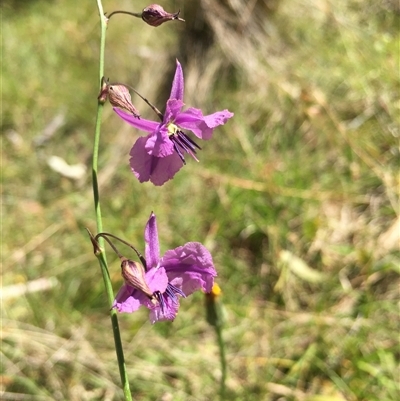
157, 279
189, 267
202, 126
158, 143
152, 252
128, 299
139, 123
177, 83
158, 170
167, 313
172, 110
140, 160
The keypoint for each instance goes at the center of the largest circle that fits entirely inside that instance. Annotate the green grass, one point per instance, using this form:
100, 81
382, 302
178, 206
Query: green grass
296, 197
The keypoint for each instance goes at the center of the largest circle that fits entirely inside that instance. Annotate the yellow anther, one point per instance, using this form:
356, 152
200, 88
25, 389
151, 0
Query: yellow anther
216, 290
172, 129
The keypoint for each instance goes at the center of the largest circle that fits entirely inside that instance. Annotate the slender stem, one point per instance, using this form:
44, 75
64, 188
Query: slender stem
114, 248
215, 317
101, 256
154, 108
137, 15
104, 235
221, 345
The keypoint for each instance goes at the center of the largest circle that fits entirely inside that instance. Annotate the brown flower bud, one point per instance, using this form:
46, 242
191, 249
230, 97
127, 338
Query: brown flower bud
119, 96
134, 275
155, 15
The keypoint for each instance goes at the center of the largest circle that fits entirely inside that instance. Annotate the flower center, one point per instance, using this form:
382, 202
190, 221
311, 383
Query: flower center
182, 142
171, 292
172, 129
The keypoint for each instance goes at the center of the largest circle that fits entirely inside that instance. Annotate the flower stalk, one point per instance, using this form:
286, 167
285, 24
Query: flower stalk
215, 317
96, 196
137, 15
158, 282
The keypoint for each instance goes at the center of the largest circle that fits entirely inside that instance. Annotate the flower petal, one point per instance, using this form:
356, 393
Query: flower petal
177, 83
152, 251
202, 126
139, 123
140, 160
172, 110
157, 279
158, 170
128, 299
189, 267
158, 143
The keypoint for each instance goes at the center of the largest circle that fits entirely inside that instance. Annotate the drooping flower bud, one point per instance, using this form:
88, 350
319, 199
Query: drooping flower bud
119, 96
134, 275
155, 15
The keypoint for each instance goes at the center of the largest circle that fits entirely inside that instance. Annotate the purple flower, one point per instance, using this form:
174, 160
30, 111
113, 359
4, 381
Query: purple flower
180, 272
160, 155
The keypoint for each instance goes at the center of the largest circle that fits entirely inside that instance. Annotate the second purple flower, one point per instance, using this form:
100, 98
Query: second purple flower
158, 286
158, 156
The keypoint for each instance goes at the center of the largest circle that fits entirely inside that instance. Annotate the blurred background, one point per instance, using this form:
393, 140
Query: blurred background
296, 197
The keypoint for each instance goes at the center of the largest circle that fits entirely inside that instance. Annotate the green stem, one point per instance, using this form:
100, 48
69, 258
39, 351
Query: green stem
221, 345
215, 317
101, 255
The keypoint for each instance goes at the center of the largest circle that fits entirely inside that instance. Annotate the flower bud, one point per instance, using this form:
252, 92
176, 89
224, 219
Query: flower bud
214, 311
134, 275
119, 96
155, 15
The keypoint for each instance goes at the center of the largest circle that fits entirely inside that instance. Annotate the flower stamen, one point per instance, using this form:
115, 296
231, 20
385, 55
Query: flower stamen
171, 291
193, 143
177, 149
182, 141
159, 297
176, 290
